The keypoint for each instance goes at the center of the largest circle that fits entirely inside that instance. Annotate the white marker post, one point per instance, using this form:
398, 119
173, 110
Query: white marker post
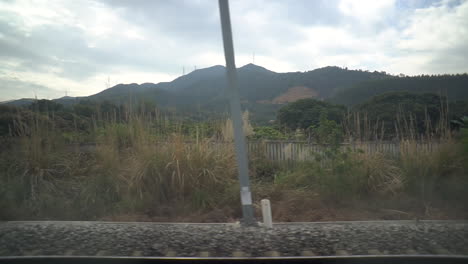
266, 212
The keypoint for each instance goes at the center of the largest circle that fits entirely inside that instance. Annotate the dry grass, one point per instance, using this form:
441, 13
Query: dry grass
132, 174
130, 171
439, 173
382, 173
346, 175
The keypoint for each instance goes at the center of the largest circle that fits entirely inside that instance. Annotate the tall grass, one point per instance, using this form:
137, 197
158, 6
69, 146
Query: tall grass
344, 175
442, 173
142, 164
34, 167
427, 177
405, 125
131, 171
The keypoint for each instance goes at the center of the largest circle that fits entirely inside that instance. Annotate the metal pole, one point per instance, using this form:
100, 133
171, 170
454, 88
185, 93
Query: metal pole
236, 116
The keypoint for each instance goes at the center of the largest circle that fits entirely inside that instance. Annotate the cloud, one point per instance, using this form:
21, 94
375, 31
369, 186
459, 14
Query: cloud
12, 87
435, 40
367, 11
78, 45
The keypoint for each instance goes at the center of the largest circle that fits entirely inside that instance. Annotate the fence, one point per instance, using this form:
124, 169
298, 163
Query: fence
302, 151
293, 151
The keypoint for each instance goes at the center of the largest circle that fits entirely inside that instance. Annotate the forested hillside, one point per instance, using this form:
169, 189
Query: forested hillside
255, 84
455, 87
201, 94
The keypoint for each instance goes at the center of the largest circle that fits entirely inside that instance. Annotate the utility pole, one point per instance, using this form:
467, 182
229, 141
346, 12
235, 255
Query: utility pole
236, 116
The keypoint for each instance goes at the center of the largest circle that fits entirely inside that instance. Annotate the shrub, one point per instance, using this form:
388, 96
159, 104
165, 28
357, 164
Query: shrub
266, 132
440, 173
328, 132
129, 172
342, 174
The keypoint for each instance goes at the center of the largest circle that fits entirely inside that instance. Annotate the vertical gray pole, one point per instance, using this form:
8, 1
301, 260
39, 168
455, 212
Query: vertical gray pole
236, 116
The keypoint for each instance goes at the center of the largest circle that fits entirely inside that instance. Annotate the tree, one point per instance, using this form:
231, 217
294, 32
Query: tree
266, 132
305, 113
419, 108
328, 132
453, 86
45, 105
83, 109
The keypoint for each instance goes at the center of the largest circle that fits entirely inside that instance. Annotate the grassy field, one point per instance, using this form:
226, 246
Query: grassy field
138, 172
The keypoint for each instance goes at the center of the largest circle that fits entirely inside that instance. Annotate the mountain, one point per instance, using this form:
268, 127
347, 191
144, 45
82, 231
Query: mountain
192, 79
19, 102
261, 90
255, 83
68, 100
65, 100
455, 87
252, 68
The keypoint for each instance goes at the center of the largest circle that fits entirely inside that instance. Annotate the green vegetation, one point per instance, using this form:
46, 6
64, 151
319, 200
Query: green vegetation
154, 164
428, 177
305, 113
328, 132
45, 106
424, 177
463, 136
398, 115
266, 132
129, 171
452, 86
164, 152
201, 93
422, 110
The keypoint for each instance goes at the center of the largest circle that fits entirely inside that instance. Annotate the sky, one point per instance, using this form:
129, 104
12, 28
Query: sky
50, 48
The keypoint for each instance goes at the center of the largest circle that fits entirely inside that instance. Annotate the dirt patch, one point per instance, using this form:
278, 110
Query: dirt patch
295, 93
300, 206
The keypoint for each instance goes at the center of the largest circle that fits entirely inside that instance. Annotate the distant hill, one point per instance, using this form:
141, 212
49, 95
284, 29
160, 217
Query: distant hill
206, 89
67, 100
195, 78
455, 87
293, 94
255, 83
20, 102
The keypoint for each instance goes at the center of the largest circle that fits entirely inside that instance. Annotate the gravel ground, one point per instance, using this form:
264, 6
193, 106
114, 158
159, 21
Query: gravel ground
223, 240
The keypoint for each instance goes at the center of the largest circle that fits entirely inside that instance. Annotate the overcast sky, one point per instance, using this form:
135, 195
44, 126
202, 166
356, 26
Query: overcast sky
48, 48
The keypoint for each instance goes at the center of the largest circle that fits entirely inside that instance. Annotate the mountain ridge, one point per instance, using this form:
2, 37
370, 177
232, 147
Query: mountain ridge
251, 77
263, 91
258, 83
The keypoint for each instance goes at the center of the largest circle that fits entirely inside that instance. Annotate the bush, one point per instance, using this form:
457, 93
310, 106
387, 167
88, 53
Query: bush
264, 170
342, 174
304, 113
440, 173
328, 132
265, 132
129, 172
